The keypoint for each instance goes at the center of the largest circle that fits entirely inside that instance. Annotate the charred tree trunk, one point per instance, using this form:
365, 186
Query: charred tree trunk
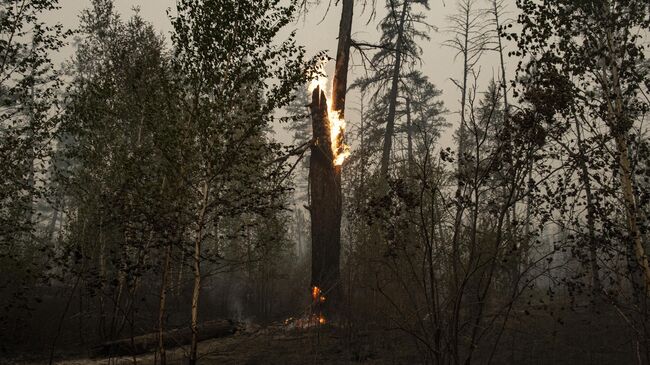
340, 81
325, 208
325, 179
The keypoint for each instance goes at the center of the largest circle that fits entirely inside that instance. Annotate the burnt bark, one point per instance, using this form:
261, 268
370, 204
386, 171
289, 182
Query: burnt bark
340, 81
325, 209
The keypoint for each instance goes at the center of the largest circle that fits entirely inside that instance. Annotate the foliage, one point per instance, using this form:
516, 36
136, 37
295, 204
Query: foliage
28, 107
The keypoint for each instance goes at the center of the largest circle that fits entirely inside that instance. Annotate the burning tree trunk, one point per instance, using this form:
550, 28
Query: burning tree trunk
325, 183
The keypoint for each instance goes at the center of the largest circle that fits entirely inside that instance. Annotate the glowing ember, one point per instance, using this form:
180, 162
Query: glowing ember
315, 292
337, 124
315, 317
305, 322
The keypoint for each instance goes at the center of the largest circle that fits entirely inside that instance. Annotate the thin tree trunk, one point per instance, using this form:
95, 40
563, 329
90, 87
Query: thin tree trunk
457, 288
619, 131
121, 278
181, 266
455, 255
163, 302
504, 86
390, 119
102, 279
409, 136
362, 144
596, 285
51, 228
632, 209
197, 275
63, 315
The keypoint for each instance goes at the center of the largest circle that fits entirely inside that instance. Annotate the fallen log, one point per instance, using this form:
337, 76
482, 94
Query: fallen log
173, 338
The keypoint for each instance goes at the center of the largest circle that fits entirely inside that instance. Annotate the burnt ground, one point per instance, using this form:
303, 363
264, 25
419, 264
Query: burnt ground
554, 336
276, 344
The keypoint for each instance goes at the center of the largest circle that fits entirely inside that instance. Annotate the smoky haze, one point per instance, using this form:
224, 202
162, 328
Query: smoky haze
317, 31
487, 203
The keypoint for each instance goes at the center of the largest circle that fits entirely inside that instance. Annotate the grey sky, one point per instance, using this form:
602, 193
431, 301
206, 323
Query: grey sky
319, 31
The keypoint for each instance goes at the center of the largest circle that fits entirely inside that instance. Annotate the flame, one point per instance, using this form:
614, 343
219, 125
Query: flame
315, 292
337, 124
314, 317
318, 297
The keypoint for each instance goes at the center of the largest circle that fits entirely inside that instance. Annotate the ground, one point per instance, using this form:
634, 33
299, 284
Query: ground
276, 344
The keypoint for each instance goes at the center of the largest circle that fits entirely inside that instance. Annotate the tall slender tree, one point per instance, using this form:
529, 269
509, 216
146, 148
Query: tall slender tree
396, 56
469, 39
399, 33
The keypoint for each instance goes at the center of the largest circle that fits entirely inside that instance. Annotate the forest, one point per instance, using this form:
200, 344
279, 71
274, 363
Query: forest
228, 188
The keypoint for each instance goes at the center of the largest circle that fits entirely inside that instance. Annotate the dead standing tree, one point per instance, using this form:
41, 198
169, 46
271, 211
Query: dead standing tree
325, 178
325, 208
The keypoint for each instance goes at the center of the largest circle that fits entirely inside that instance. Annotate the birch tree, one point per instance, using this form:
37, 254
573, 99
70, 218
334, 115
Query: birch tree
29, 87
234, 77
110, 170
600, 60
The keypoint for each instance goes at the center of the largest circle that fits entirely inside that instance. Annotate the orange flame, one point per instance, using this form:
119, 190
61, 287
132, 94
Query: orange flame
337, 124
315, 292
318, 297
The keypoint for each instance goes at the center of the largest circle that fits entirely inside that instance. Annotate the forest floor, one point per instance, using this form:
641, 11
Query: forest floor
276, 344
558, 335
